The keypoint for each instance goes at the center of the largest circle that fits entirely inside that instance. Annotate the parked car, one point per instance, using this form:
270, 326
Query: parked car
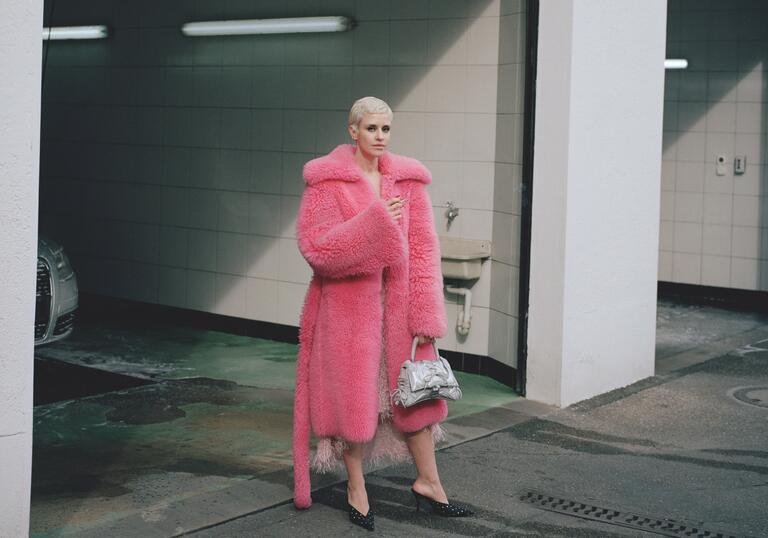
56, 293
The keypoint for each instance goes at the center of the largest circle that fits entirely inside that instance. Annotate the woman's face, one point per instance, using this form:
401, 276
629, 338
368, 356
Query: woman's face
372, 133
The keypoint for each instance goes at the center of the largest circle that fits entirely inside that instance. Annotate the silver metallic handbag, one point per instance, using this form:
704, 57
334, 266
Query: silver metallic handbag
425, 380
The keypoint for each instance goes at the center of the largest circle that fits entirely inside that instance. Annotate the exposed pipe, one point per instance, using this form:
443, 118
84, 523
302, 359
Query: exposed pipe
464, 321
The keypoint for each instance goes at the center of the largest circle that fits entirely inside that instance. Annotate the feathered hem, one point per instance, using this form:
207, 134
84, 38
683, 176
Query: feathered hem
387, 446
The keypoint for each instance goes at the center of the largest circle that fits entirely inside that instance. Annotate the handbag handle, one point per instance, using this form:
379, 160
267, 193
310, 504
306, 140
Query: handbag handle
413, 348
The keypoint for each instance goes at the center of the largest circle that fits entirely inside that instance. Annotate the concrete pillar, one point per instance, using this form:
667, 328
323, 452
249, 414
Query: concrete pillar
21, 25
596, 188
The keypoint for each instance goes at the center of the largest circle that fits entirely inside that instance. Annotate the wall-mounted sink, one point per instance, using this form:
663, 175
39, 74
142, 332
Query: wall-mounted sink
462, 258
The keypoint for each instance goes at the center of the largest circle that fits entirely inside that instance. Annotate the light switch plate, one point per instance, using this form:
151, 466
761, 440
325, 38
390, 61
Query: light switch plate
739, 164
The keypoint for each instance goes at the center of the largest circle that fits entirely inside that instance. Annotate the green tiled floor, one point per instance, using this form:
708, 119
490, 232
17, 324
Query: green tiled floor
219, 414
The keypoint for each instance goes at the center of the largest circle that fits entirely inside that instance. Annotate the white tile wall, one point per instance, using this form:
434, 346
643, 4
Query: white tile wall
181, 158
716, 239
507, 146
714, 228
230, 295
715, 270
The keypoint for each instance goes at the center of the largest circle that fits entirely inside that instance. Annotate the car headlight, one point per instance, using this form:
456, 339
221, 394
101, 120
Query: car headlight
63, 265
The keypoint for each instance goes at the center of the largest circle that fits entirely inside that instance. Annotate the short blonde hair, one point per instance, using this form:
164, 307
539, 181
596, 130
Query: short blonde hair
368, 105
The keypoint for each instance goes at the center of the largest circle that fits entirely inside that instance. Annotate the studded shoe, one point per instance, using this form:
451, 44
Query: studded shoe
441, 509
365, 521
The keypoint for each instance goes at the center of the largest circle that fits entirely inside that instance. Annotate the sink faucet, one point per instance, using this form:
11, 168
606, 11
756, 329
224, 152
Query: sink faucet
452, 212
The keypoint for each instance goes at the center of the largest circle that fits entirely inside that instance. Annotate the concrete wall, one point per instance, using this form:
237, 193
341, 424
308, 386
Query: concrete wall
19, 157
172, 165
594, 249
714, 229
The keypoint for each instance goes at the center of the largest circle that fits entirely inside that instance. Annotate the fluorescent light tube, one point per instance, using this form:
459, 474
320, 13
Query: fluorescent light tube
75, 32
675, 64
267, 26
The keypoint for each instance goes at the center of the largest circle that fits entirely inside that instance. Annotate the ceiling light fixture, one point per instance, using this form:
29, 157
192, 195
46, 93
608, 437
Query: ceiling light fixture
267, 26
675, 64
75, 32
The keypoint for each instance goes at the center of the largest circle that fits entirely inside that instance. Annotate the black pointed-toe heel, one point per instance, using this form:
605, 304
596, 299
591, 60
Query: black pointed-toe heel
441, 509
365, 521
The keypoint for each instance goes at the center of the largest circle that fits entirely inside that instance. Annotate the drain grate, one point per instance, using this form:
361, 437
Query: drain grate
664, 527
757, 396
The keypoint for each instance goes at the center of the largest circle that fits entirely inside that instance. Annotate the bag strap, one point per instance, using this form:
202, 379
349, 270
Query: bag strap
413, 348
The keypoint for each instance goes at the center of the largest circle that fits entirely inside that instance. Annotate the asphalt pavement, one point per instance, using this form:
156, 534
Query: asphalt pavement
684, 453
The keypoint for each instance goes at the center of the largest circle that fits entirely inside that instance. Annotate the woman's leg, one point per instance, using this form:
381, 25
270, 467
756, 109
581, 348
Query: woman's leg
356, 494
422, 449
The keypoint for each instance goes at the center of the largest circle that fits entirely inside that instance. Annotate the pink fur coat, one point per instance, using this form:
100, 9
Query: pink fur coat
354, 248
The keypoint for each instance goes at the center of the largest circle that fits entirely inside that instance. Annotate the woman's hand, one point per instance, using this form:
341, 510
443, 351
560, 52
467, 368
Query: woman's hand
423, 339
394, 206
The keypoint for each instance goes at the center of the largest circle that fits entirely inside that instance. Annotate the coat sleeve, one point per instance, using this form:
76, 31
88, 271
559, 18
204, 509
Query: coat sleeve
335, 247
426, 305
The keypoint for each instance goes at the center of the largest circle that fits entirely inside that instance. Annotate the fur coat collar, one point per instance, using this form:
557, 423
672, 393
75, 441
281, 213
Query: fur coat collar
340, 164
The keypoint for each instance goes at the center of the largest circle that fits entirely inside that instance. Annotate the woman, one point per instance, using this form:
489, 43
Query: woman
365, 226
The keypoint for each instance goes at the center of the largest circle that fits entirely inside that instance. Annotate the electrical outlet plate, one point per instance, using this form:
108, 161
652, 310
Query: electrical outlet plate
720, 162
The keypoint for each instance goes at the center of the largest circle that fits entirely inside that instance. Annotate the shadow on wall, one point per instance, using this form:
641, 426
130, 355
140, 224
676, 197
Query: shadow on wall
171, 166
714, 226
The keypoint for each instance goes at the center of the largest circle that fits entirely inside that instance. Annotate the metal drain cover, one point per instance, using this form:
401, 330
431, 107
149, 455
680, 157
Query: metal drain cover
757, 396
663, 527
